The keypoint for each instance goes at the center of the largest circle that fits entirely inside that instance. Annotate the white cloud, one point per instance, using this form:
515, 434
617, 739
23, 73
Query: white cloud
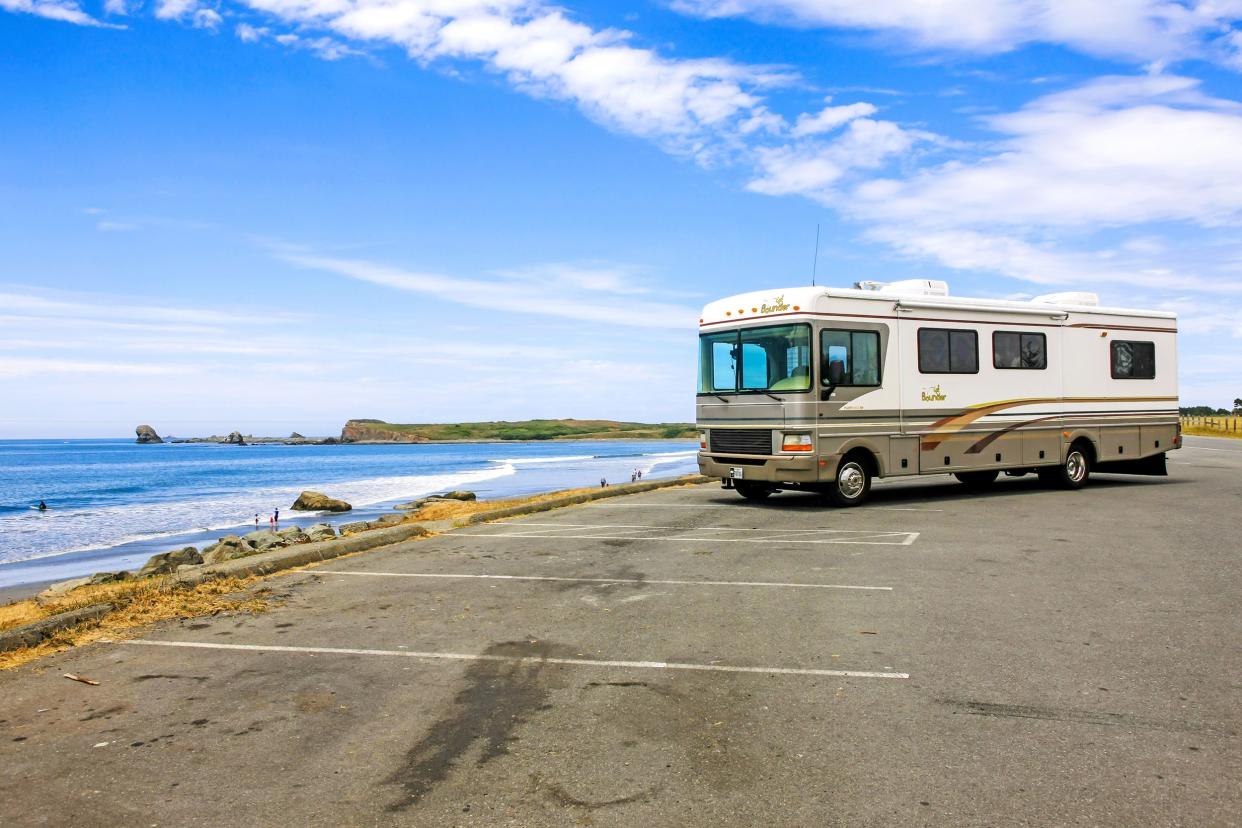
816, 168
831, 117
116, 7
67, 11
1141, 30
250, 34
1118, 151
18, 367
525, 295
174, 9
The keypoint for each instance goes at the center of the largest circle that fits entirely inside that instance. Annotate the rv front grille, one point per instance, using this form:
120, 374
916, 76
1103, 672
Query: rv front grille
742, 440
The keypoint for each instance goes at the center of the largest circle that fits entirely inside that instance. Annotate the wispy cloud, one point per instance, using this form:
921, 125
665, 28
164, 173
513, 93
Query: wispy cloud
558, 290
67, 11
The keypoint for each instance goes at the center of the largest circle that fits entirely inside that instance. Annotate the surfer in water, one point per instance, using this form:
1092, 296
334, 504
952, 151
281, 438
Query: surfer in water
42, 507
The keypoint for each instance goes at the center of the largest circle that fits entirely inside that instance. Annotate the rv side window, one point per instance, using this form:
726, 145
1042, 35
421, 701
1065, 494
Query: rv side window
849, 358
1013, 349
945, 351
1134, 360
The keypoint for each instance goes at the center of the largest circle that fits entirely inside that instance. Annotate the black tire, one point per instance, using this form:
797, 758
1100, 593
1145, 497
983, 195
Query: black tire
1073, 473
977, 480
752, 491
852, 483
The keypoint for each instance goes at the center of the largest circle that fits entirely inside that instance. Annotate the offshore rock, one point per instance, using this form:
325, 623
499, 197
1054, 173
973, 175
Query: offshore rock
235, 439
167, 562
146, 434
317, 502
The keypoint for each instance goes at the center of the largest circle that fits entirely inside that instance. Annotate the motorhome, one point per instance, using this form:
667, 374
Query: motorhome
826, 389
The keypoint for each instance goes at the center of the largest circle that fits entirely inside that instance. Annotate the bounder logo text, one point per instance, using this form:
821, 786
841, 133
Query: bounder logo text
778, 305
933, 394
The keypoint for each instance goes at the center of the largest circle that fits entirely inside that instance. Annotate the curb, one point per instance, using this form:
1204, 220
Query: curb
32, 634
586, 497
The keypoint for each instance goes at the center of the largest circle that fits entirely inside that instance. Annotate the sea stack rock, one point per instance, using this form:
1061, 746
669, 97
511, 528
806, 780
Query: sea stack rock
317, 502
146, 434
235, 439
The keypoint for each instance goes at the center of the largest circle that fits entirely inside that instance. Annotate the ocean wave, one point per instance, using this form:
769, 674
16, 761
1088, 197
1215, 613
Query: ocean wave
525, 461
28, 536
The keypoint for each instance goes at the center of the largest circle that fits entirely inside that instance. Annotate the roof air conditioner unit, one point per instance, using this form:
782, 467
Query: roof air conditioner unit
1072, 297
907, 287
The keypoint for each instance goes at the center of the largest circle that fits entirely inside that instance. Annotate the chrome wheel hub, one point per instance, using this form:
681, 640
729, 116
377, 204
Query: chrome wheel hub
851, 480
1075, 466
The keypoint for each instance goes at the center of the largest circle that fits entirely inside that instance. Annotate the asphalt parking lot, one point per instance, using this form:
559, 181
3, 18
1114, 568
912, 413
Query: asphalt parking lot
684, 657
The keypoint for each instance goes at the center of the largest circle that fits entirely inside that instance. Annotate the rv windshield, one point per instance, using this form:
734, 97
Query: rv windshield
776, 358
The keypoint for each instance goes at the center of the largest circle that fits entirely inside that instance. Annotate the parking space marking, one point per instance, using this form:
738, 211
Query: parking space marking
634, 581
575, 662
653, 505
897, 539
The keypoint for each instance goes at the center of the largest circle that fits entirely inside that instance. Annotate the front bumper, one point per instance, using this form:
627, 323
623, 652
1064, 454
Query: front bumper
773, 469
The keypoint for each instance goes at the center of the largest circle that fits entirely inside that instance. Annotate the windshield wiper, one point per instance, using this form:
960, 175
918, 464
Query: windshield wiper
722, 399
773, 396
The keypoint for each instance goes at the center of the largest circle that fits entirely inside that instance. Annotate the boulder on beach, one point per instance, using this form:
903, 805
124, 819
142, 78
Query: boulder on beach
226, 549
109, 577
457, 495
368, 525
146, 434
317, 502
294, 534
235, 439
265, 539
57, 591
320, 532
166, 562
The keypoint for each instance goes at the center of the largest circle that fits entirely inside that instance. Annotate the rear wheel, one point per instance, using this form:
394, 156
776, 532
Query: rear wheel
752, 491
1073, 473
977, 480
852, 484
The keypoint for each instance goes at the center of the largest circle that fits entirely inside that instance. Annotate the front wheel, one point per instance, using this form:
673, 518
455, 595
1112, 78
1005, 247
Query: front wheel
752, 491
977, 480
1072, 474
852, 484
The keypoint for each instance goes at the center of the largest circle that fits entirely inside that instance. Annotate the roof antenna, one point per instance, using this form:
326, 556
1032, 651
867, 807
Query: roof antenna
815, 261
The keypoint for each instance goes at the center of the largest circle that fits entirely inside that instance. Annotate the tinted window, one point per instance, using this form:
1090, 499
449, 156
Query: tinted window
851, 357
1011, 349
1134, 360
946, 351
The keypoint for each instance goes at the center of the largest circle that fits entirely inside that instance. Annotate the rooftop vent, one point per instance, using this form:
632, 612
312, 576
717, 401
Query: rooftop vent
907, 287
1071, 297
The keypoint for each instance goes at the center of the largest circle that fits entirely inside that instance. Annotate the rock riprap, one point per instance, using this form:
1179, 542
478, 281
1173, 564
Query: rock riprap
166, 562
317, 502
146, 434
226, 549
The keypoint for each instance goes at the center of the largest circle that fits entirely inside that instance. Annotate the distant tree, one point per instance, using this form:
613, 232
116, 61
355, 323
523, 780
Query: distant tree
1237, 405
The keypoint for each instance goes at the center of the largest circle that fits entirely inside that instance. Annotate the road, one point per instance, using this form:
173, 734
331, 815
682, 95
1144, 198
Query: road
683, 657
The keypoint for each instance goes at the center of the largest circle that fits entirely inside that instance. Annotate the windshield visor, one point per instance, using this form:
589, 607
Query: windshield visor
776, 358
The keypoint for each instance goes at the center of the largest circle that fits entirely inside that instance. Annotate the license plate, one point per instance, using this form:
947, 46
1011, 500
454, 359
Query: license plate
736, 473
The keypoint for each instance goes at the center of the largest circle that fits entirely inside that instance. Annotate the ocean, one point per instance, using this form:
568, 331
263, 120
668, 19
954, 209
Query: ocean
113, 503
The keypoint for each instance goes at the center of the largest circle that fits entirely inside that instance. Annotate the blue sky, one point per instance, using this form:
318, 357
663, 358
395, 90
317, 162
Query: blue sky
278, 214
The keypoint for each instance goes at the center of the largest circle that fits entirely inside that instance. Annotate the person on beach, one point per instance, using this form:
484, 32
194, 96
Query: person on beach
640, 474
633, 476
276, 517
603, 482
256, 521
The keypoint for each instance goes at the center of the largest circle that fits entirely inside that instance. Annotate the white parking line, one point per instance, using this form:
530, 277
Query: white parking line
634, 581
626, 531
577, 662
898, 538
853, 513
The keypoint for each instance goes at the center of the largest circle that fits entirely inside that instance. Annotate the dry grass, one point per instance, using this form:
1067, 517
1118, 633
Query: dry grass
138, 604
1212, 426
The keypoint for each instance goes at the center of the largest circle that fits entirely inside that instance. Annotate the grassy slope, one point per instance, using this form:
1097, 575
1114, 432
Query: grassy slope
1214, 426
536, 430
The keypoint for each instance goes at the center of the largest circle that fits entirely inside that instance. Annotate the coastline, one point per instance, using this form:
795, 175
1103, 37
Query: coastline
492, 474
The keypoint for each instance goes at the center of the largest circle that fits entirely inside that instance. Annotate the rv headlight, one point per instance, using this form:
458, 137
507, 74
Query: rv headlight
703, 441
797, 442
